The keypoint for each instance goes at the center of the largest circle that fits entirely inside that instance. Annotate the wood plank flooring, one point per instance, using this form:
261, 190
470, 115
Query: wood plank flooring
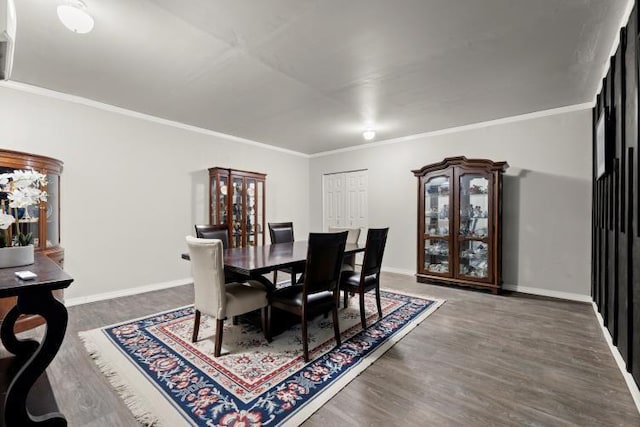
480, 360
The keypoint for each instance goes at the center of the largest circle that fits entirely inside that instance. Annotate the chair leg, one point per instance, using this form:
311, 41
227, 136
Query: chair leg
266, 322
378, 301
346, 299
275, 278
196, 327
363, 318
305, 343
219, 329
336, 324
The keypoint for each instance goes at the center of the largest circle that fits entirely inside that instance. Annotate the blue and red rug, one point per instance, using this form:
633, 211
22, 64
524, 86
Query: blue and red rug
166, 380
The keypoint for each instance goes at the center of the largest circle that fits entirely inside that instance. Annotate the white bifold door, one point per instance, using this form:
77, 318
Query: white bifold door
345, 200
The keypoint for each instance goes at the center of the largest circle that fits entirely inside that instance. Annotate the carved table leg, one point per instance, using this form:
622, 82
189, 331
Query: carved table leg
55, 316
21, 348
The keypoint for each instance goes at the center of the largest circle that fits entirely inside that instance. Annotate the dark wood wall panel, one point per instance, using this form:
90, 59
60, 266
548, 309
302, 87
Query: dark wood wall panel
615, 270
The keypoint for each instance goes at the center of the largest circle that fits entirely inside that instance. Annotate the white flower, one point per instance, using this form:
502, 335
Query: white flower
24, 197
6, 221
27, 178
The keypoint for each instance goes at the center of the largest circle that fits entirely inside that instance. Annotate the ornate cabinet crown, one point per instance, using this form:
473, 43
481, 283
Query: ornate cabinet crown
459, 222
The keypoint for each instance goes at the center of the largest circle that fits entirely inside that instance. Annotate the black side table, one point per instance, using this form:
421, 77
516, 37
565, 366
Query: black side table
34, 297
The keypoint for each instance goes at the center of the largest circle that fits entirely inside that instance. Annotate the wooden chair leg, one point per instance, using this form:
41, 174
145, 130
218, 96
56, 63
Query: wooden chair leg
196, 327
378, 301
305, 343
363, 317
336, 324
219, 329
346, 299
275, 278
266, 322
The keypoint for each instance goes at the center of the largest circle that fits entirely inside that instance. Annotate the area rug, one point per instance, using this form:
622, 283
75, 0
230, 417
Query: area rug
166, 380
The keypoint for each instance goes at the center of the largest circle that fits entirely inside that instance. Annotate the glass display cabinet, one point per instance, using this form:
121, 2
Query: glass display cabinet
43, 220
237, 199
459, 222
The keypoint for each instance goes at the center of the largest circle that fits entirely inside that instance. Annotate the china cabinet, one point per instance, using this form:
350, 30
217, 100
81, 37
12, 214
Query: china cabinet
459, 222
43, 220
237, 199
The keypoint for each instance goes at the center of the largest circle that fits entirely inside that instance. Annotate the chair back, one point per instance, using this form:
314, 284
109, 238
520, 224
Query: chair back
376, 241
281, 232
208, 276
324, 260
352, 237
214, 231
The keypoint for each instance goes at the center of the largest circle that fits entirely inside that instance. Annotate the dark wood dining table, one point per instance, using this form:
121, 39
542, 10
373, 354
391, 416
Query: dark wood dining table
254, 262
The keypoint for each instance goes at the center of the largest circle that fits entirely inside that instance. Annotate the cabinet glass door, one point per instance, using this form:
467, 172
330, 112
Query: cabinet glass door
437, 196
251, 212
51, 209
236, 212
219, 202
474, 226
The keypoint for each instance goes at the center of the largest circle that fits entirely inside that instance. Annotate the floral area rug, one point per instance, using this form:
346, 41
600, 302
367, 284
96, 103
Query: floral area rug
166, 380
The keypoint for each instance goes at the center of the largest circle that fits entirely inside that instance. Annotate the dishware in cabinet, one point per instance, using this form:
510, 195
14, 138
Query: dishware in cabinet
237, 199
459, 222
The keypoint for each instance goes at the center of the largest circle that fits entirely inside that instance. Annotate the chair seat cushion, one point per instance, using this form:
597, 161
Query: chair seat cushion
351, 280
245, 297
292, 295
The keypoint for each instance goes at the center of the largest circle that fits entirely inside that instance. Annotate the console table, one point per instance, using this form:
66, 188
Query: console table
34, 297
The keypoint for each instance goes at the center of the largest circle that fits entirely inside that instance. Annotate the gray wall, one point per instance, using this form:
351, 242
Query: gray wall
547, 195
132, 188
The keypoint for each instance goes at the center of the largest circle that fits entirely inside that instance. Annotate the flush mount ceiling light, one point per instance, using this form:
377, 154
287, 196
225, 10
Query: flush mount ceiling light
369, 134
73, 14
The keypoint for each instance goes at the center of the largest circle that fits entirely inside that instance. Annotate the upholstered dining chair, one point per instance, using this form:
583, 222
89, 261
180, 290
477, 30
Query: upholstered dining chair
217, 299
349, 262
318, 293
369, 275
220, 232
281, 232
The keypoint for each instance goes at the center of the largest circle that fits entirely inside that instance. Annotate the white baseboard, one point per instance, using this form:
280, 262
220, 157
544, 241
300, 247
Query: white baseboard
399, 271
515, 288
547, 293
126, 292
628, 378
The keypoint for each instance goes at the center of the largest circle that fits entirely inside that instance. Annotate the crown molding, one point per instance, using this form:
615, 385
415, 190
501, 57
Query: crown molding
36, 90
464, 128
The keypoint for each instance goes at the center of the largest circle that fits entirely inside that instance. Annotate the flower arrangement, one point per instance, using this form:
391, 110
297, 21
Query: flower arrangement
23, 189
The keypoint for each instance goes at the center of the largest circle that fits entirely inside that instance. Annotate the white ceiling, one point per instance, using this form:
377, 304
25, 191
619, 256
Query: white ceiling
308, 75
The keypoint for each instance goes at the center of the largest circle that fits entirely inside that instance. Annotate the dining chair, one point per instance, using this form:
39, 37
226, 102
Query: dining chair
282, 232
214, 231
217, 299
318, 293
349, 262
368, 277
221, 232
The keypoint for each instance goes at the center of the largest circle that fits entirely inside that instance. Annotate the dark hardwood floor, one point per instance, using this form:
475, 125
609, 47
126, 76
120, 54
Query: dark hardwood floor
480, 360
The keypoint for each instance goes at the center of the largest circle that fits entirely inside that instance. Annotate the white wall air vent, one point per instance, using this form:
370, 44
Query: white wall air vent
7, 37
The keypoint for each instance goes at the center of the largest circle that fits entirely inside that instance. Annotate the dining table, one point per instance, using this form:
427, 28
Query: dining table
254, 262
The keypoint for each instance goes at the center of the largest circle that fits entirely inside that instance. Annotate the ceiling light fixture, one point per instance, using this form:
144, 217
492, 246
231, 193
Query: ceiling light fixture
73, 14
369, 134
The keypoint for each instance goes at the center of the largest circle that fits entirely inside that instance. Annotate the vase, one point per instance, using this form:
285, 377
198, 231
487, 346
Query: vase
16, 256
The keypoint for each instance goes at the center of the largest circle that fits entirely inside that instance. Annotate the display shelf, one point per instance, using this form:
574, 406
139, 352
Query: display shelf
237, 199
46, 233
469, 214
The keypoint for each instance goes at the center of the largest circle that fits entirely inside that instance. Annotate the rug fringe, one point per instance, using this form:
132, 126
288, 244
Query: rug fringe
139, 410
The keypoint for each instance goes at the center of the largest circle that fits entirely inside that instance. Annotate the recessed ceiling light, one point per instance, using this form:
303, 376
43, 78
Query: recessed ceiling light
73, 14
369, 134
